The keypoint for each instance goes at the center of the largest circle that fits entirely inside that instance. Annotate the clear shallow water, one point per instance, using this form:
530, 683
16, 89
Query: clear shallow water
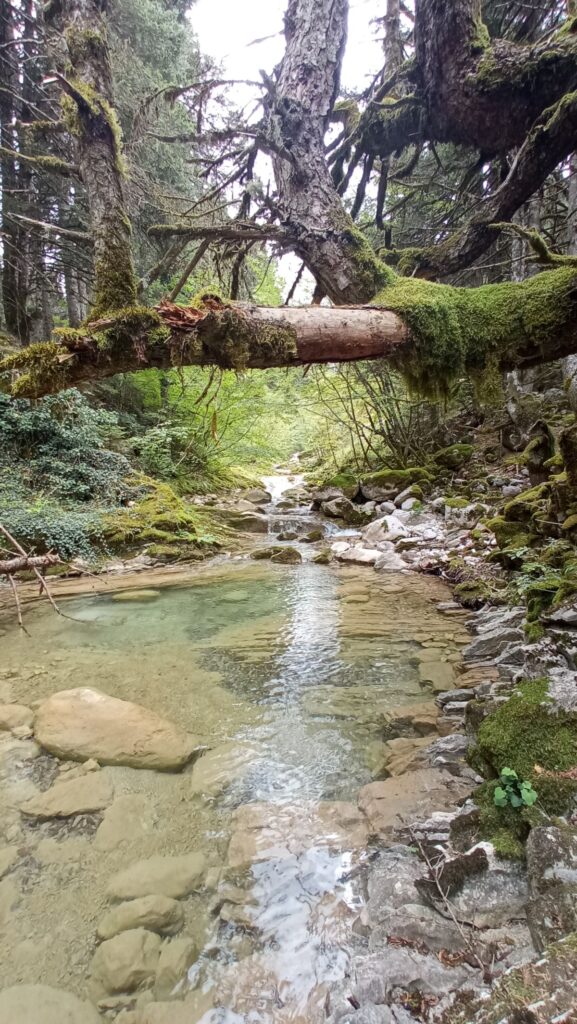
283, 672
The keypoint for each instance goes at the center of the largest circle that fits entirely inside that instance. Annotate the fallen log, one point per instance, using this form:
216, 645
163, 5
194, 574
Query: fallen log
20, 563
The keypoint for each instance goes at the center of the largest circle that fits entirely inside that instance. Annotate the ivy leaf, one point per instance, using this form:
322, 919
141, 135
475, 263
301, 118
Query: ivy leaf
528, 794
500, 797
508, 775
516, 800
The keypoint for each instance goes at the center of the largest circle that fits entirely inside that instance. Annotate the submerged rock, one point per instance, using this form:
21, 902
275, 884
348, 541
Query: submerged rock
84, 795
84, 723
260, 554
41, 1004
126, 962
13, 716
170, 876
175, 959
135, 595
155, 913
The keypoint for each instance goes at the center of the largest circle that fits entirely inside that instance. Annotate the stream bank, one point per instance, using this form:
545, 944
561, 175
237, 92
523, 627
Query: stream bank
335, 771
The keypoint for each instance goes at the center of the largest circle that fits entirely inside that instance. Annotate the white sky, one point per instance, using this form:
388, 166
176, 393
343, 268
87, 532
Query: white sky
227, 28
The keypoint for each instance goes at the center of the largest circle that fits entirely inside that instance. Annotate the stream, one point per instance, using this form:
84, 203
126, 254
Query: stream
283, 674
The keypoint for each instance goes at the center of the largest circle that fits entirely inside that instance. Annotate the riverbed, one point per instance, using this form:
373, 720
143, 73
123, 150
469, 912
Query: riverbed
283, 674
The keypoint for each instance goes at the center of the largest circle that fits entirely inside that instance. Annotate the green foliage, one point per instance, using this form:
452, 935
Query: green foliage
59, 446
512, 791
41, 524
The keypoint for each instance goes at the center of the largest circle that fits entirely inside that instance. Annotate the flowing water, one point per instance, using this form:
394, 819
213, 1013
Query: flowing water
283, 673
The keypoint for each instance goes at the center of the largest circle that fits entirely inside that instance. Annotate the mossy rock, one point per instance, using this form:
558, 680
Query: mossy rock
288, 556
529, 504
456, 503
159, 517
175, 553
570, 524
526, 731
323, 557
472, 593
346, 482
510, 534
398, 478
454, 457
261, 554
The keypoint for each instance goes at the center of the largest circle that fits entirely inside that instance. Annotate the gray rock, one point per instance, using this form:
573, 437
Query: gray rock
391, 882
376, 974
417, 923
450, 696
343, 508
565, 616
482, 890
491, 643
512, 490
386, 507
552, 875
409, 504
368, 1014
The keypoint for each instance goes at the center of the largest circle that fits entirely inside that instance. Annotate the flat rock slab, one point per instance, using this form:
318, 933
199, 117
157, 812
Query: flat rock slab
156, 913
168, 876
84, 795
263, 831
84, 723
40, 1004
397, 801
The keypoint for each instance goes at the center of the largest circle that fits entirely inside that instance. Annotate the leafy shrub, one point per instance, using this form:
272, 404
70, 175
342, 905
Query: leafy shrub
41, 524
512, 791
58, 446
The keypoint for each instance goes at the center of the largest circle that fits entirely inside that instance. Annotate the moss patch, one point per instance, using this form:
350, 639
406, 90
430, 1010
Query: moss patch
160, 517
465, 331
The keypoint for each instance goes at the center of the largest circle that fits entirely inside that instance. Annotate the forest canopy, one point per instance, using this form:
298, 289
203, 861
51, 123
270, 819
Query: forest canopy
121, 175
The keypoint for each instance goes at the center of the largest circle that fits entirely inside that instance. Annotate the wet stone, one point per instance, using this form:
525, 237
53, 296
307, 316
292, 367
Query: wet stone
169, 876
126, 962
156, 913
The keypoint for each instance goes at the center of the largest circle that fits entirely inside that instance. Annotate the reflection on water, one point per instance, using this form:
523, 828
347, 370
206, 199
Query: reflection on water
283, 672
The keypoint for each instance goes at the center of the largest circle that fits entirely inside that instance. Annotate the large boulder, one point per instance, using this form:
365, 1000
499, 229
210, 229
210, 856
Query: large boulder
41, 1004
248, 522
552, 875
387, 528
84, 723
343, 508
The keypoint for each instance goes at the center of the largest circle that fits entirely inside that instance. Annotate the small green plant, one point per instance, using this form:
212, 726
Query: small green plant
513, 791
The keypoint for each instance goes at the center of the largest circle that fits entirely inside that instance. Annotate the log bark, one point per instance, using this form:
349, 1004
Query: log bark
23, 563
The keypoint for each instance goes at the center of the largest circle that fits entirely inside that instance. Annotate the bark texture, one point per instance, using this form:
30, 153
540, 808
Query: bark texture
78, 42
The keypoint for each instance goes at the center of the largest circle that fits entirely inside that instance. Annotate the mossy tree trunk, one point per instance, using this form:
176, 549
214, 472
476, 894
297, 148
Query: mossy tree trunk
78, 43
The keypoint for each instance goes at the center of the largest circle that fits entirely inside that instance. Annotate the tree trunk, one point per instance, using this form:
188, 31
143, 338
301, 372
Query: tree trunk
336, 253
79, 47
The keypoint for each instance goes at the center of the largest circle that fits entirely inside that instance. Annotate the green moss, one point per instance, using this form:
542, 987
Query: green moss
509, 534
159, 517
32, 370
472, 593
570, 523
527, 731
534, 631
401, 478
568, 447
524, 507
455, 456
465, 331
457, 502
